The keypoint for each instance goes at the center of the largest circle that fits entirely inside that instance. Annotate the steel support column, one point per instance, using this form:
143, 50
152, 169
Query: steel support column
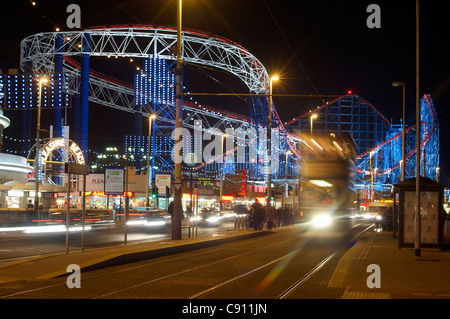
84, 92
57, 83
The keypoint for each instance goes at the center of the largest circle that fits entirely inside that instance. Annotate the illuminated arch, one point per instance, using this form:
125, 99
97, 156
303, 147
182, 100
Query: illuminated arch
55, 144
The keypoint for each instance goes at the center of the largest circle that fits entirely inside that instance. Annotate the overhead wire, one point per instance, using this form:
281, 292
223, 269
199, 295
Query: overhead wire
294, 54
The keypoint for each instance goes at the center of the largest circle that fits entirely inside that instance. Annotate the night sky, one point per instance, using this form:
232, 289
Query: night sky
320, 47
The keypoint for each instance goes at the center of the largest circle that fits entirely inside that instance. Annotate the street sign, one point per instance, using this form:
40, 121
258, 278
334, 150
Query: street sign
131, 171
114, 181
177, 183
73, 168
162, 181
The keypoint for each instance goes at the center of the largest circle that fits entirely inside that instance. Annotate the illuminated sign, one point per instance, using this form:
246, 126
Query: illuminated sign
64, 143
102, 194
188, 196
227, 197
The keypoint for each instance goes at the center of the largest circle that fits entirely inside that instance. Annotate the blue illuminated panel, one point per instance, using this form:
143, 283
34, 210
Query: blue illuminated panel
21, 91
155, 83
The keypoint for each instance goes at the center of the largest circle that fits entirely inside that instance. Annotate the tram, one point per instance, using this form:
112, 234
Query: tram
327, 185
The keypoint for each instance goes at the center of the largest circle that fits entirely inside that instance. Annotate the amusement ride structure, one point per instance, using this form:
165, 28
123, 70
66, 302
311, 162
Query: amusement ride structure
65, 57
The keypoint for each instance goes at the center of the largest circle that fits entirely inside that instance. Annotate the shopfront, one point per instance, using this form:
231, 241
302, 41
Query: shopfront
96, 197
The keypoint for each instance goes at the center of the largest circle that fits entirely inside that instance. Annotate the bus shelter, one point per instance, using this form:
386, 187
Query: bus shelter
432, 214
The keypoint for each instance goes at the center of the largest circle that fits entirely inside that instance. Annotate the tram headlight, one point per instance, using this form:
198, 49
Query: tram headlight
322, 221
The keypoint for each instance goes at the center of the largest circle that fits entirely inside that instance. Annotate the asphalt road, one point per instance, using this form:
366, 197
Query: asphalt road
17, 244
288, 263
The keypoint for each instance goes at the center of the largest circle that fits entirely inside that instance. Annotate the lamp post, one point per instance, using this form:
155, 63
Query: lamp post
372, 195
285, 179
371, 176
403, 85
417, 217
313, 117
223, 173
37, 161
149, 171
177, 206
269, 146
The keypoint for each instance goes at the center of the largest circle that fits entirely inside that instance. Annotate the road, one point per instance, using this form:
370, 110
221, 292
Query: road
287, 263
17, 244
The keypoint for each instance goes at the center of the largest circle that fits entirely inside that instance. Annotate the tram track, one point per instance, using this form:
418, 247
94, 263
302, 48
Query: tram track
172, 270
317, 268
154, 262
287, 292
185, 271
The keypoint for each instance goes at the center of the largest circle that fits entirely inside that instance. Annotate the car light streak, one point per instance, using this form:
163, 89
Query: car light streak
53, 229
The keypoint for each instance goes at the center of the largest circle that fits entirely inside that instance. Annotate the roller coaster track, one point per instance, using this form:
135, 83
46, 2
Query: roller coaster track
198, 48
142, 42
428, 133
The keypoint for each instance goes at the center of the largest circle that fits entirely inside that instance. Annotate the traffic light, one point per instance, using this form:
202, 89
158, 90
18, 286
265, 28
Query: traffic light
154, 192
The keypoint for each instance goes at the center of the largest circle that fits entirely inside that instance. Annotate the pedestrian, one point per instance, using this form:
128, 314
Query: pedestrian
387, 220
271, 218
170, 209
279, 216
258, 214
189, 211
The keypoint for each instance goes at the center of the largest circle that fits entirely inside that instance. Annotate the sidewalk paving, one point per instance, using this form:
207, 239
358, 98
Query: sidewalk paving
55, 265
403, 276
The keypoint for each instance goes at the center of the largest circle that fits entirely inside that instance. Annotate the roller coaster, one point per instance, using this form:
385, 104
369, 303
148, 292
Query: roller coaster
65, 57
379, 143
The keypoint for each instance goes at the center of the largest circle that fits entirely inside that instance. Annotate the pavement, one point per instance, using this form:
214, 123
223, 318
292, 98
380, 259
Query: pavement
397, 273
401, 274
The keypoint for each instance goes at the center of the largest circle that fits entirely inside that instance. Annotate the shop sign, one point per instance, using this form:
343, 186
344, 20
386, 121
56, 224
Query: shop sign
95, 182
228, 198
102, 194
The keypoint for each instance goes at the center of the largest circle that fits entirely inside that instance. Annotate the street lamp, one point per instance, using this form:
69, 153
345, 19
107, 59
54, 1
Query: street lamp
403, 84
289, 152
313, 117
149, 172
417, 217
177, 206
401, 165
37, 161
269, 134
371, 175
372, 195
223, 172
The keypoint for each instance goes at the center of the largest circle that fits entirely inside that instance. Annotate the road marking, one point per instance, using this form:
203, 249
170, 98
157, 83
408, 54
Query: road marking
337, 280
359, 251
365, 295
362, 255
